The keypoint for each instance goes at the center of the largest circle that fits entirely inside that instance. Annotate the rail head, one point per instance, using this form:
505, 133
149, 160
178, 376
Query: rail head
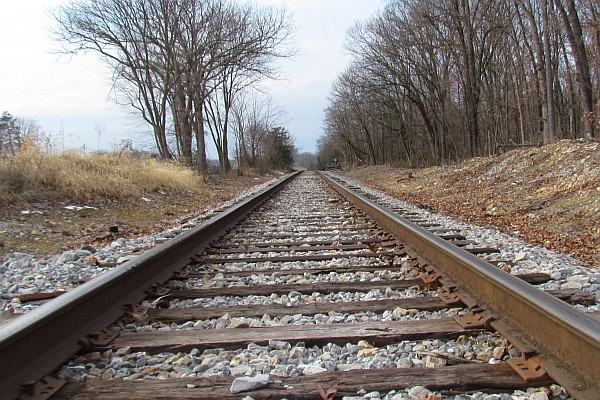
39, 341
567, 334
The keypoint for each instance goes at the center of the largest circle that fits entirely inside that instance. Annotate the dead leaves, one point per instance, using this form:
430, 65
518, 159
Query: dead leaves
550, 195
327, 394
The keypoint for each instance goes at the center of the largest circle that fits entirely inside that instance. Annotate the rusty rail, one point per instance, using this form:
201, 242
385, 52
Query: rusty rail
34, 344
567, 341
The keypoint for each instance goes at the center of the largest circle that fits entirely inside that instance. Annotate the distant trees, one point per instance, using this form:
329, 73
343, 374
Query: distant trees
260, 142
573, 29
432, 81
10, 135
306, 160
14, 132
180, 63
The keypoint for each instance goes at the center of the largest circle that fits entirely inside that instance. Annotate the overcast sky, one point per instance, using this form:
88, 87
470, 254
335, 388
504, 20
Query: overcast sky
69, 97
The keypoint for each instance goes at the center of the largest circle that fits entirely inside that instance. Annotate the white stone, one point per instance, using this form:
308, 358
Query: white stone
578, 278
520, 256
404, 363
418, 392
247, 383
571, 285
348, 367
539, 396
313, 369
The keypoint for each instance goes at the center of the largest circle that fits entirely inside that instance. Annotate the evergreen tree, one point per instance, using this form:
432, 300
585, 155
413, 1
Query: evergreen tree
281, 150
10, 135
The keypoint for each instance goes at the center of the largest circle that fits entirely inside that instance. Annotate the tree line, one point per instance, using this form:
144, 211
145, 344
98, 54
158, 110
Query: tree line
15, 132
189, 68
436, 81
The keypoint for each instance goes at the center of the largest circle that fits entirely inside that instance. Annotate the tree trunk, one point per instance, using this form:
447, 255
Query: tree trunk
550, 133
541, 62
183, 128
574, 32
200, 140
466, 37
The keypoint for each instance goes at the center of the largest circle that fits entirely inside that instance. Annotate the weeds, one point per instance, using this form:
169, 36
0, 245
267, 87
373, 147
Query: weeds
32, 175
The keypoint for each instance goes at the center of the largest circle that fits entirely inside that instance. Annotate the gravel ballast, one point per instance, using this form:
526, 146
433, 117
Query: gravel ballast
24, 274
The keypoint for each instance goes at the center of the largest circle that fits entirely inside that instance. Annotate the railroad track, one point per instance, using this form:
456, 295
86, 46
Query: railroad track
319, 293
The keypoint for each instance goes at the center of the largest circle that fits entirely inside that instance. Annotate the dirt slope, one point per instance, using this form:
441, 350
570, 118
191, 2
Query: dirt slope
550, 195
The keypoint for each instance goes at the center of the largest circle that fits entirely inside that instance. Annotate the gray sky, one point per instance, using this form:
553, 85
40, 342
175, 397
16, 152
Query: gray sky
69, 96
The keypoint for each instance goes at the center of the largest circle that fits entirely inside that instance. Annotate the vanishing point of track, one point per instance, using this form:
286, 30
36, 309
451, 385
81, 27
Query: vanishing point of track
311, 231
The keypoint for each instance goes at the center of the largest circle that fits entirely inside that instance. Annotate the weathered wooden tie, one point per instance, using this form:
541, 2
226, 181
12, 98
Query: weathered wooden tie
278, 310
295, 257
278, 248
458, 379
376, 333
237, 243
323, 288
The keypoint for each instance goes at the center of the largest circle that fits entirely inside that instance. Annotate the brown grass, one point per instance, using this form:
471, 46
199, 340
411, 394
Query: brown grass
34, 176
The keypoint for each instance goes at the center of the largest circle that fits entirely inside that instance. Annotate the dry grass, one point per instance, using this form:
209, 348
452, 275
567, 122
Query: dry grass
138, 195
34, 176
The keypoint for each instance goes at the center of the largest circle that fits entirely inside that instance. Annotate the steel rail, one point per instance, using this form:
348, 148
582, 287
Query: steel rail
34, 344
567, 334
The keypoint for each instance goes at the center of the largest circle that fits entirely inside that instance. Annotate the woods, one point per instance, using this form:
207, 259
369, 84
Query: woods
432, 82
183, 65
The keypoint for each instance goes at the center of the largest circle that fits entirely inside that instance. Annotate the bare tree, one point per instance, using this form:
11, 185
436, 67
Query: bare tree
538, 26
135, 39
168, 56
437, 81
254, 115
574, 32
15, 131
263, 36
